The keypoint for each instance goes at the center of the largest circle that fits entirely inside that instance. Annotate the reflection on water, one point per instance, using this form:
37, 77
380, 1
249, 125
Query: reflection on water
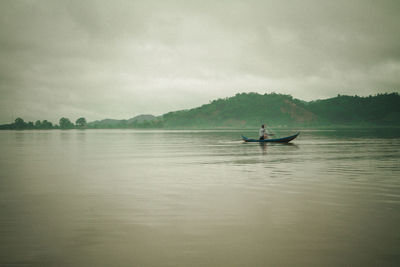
199, 198
263, 147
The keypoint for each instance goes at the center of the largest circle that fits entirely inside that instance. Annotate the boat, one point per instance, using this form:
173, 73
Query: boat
275, 140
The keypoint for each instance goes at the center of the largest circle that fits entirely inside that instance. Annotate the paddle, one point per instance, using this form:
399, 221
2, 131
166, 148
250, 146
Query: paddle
270, 132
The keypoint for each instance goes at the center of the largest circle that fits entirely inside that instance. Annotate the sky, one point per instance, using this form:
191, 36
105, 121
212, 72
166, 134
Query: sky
118, 59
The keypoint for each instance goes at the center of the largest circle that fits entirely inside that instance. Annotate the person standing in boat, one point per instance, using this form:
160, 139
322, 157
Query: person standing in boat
263, 133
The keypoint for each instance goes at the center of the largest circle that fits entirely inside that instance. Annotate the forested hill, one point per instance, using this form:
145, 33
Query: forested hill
382, 109
252, 109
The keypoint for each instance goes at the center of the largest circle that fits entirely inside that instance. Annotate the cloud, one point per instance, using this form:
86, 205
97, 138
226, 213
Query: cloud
117, 59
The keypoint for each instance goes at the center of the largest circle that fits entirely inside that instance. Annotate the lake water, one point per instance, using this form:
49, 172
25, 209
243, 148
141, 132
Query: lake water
199, 198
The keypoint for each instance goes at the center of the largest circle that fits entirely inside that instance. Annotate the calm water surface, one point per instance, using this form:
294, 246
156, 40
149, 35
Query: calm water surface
199, 198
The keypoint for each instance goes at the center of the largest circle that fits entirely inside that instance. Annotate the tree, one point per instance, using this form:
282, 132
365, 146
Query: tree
81, 122
19, 123
65, 123
38, 124
47, 125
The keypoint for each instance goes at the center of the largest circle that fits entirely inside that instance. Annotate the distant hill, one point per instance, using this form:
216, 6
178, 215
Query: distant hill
252, 109
142, 118
107, 122
140, 121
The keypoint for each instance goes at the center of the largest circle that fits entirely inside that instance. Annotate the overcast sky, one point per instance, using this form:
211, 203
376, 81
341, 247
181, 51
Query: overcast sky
118, 59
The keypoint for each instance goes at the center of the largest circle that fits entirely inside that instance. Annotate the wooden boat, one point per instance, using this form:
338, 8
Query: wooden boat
275, 140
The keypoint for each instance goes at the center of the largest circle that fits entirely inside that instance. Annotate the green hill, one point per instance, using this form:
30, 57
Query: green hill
252, 109
140, 121
382, 109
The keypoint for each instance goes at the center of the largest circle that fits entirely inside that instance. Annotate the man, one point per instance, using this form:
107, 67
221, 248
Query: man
262, 132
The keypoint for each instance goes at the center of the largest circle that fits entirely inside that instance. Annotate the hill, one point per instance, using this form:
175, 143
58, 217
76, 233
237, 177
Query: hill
382, 109
142, 118
140, 121
241, 110
252, 109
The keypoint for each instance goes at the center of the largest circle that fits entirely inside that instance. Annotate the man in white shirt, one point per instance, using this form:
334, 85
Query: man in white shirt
263, 132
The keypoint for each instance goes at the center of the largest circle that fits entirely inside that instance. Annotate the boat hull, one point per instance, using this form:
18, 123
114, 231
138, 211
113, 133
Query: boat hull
275, 140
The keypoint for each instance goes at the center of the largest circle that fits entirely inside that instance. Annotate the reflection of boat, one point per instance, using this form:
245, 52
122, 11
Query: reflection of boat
276, 140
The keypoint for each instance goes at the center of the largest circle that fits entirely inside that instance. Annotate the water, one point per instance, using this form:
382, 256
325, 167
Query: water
199, 198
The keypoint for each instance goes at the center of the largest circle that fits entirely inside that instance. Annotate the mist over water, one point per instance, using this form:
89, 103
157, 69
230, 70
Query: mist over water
199, 198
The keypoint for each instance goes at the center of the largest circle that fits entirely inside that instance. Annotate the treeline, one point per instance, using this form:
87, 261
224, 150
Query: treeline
126, 124
64, 123
81, 123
